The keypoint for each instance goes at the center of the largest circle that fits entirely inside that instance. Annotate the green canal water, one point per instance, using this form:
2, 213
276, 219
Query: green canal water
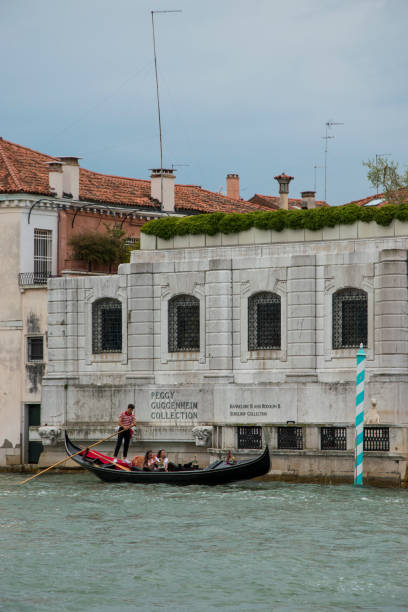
71, 543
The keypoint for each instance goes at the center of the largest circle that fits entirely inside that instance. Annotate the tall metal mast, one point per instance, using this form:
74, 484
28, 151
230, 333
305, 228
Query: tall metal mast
329, 124
158, 101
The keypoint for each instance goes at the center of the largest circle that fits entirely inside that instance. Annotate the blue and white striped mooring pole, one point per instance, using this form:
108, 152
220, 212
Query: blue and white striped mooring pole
359, 437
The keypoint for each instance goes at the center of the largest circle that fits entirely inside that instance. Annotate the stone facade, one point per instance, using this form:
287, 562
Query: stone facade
225, 385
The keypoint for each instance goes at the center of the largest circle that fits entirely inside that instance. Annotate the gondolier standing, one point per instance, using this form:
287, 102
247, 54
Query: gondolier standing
126, 422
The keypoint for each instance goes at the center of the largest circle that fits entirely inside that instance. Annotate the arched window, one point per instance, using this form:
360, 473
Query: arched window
264, 321
184, 323
107, 326
349, 318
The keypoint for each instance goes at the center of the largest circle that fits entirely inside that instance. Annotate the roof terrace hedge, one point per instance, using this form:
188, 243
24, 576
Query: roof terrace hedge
313, 219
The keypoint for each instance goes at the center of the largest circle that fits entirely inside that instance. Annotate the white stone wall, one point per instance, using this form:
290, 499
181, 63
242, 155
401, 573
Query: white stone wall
306, 380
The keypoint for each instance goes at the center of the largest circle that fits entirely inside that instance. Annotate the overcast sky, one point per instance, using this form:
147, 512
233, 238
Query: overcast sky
246, 86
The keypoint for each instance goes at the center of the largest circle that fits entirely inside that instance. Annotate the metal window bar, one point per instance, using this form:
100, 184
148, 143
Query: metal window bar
107, 326
30, 278
35, 348
333, 438
264, 321
290, 437
184, 324
249, 437
376, 438
42, 254
349, 318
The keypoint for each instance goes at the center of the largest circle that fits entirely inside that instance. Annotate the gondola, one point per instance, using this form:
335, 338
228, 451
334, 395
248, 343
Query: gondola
216, 473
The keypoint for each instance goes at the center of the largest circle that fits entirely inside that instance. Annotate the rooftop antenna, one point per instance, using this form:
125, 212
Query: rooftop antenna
178, 165
315, 167
158, 99
377, 155
328, 124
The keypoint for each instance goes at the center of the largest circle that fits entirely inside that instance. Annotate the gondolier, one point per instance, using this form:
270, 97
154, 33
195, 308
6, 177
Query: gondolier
126, 422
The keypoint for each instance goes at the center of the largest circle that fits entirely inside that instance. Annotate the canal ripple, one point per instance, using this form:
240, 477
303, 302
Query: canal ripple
70, 543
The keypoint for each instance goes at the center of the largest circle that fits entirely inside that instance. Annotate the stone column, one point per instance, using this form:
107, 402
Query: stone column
219, 315
301, 288
140, 326
391, 309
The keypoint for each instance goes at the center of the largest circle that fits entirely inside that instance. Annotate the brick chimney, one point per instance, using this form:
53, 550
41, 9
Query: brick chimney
283, 180
70, 176
233, 186
308, 199
55, 174
165, 177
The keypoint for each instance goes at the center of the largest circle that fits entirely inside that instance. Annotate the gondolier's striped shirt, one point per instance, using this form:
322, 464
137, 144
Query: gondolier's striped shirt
126, 419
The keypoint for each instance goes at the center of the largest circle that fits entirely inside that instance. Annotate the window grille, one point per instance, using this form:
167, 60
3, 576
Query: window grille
107, 326
333, 438
349, 318
249, 437
376, 438
290, 437
184, 323
264, 321
42, 255
35, 348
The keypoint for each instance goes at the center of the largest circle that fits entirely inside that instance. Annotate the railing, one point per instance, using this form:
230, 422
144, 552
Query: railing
33, 278
333, 438
290, 437
376, 438
249, 437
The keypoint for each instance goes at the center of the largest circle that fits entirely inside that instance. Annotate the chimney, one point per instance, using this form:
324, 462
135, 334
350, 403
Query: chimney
233, 186
55, 174
283, 180
162, 177
70, 176
308, 199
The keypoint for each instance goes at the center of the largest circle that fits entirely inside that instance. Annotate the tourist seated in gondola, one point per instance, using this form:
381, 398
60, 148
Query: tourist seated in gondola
149, 461
162, 461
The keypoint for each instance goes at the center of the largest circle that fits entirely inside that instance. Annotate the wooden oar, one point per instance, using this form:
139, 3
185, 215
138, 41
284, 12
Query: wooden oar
122, 467
74, 455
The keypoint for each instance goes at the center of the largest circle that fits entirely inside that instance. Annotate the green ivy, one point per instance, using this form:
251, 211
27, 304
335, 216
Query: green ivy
313, 219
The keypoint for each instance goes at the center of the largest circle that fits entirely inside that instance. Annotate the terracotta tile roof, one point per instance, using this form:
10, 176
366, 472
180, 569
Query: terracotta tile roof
25, 170
272, 202
379, 199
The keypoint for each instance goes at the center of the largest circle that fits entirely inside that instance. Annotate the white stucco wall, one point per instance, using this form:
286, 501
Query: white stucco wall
23, 312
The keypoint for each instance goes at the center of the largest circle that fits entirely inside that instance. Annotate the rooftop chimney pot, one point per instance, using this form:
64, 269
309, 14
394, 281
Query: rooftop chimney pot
70, 176
233, 186
166, 177
308, 199
283, 180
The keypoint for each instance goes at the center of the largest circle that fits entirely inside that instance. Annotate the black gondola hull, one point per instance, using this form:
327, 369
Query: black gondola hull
224, 474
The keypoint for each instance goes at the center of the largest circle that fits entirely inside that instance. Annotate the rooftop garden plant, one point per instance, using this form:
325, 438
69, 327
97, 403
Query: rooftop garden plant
313, 219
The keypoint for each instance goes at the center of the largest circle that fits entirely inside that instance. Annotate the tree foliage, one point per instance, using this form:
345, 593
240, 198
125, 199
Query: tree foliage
109, 248
384, 176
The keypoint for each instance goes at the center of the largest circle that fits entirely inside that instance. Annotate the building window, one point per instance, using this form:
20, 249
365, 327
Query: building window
264, 321
184, 323
376, 438
333, 438
35, 348
349, 318
107, 326
249, 437
290, 437
42, 255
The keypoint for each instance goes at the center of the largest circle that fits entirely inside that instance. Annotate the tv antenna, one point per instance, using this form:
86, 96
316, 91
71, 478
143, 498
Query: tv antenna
377, 155
178, 165
158, 99
315, 167
329, 124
